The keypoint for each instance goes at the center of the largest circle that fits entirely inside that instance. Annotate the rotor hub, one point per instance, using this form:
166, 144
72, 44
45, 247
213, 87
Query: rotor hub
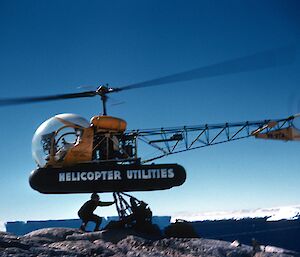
102, 90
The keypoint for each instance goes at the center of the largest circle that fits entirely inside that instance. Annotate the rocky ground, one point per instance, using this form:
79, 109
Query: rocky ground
73, 242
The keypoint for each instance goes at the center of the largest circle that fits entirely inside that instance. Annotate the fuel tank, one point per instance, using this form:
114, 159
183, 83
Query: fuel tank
109, 123
89, 178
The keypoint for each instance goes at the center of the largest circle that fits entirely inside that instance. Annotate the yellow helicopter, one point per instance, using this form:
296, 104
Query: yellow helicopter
74, 155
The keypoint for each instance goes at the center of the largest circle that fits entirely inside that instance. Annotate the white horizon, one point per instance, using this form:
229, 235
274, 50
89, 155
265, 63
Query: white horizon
272, 214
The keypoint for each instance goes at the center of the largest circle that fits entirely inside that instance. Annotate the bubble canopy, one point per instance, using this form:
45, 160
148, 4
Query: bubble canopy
56, 133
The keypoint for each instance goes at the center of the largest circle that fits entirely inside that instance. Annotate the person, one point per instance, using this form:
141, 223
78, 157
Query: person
86, 211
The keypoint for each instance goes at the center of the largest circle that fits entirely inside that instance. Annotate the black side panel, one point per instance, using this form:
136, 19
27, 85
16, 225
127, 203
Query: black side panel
107, 178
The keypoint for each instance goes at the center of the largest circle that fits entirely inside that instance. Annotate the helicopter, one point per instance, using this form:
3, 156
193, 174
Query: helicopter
74, 155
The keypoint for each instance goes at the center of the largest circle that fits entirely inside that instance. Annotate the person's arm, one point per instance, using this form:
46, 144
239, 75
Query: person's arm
105, 203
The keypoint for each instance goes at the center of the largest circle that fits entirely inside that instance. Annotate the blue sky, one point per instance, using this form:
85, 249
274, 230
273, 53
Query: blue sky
52, 47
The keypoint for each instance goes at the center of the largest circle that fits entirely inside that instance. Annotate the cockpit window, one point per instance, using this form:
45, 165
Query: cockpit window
46, 142
55, 136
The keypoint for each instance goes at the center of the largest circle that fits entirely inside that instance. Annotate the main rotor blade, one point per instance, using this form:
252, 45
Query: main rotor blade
261, 60
25, 100
258, 61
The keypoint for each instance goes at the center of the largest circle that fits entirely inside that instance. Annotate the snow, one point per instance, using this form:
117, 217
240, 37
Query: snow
2, 226
288, 213
273, 214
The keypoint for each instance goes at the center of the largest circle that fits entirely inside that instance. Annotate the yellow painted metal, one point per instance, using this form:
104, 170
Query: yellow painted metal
108, 123
286, 134
82, 150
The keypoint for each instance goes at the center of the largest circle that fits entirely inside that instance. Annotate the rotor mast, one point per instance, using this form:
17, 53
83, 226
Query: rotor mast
102, 91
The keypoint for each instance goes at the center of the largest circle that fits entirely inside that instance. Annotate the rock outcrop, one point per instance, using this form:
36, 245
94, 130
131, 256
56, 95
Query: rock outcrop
73, 242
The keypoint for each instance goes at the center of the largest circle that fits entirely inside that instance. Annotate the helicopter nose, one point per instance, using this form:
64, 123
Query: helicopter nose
33, 180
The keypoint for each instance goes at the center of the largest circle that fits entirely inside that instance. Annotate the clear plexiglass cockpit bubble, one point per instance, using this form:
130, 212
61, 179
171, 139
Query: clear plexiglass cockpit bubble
55, 134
